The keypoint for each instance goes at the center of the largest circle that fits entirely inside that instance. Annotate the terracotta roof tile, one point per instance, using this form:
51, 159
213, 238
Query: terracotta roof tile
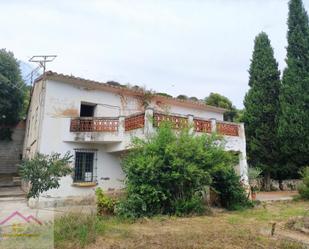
96, 84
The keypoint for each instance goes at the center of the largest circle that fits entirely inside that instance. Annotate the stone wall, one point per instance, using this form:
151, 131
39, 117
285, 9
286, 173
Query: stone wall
286, 185
11, 151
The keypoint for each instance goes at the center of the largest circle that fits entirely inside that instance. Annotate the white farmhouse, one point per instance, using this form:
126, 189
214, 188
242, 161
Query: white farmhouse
96, 121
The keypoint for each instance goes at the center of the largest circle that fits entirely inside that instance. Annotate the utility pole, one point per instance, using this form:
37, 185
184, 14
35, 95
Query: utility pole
42, 59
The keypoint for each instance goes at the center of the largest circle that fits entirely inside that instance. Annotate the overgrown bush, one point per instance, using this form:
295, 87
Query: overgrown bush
232, 194
194, 205
165, 173
44, 172
304, 187
105, 204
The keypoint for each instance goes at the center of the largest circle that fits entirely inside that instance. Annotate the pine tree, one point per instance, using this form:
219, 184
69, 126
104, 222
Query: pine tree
294, 97
262, 107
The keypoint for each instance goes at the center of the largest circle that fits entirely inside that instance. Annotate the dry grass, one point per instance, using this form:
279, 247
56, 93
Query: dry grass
230, 230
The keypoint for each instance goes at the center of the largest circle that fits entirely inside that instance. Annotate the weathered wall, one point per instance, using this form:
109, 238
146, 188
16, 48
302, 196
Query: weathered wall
34, 120
62, 102
11, 151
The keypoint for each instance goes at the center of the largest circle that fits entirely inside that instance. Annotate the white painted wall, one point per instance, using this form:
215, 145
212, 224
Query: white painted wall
62, 102
34, 120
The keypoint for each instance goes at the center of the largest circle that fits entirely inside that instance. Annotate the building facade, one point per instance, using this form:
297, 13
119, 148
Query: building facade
96, 121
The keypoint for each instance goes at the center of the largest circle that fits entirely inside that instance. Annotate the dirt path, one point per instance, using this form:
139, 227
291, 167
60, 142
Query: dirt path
276, 195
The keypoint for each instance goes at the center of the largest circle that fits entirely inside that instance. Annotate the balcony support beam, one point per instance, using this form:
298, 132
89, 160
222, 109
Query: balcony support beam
121, 126
148, 128
213, 125
191, 123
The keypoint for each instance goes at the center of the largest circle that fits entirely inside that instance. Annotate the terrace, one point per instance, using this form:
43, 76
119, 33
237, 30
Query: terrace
107, 130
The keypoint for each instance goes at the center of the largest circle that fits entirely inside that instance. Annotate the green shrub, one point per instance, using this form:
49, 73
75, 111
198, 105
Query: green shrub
195, 205
44, 172
304, 187
164, 172
105, 204
232, 194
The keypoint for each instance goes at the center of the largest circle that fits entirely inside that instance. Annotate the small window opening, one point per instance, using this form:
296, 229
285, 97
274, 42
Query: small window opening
87, 110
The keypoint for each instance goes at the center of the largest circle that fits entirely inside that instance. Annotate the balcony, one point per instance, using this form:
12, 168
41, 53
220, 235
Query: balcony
94, 125
117, 132
137, 121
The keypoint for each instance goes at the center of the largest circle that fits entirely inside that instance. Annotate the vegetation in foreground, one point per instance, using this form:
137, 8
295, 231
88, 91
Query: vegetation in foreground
250, 228
44, 172
169, 173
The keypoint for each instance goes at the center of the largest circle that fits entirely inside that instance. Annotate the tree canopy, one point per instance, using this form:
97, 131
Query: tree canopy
216, 99
262, 108
11, 89
294, 97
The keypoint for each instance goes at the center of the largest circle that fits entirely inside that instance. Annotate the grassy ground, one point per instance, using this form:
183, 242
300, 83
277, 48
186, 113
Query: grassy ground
231, 230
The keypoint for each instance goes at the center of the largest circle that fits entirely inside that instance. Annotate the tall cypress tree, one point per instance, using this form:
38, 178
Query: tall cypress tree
294, 97
262, 108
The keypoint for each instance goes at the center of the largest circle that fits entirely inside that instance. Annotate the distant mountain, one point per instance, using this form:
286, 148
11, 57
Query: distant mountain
26, 69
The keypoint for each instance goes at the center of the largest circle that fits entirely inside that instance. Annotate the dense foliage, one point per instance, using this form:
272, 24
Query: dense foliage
304, 187
227, 183
167, 173
294, 98
11, 96
11, 93
43, 172
216, 99
262, 109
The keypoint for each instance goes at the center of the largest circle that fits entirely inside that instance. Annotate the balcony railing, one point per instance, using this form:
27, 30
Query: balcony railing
227, 129
139, 120
201, 125
134, 122
177, 122
94, 124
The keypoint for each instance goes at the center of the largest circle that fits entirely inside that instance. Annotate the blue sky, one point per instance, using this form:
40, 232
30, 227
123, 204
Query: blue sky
174, 46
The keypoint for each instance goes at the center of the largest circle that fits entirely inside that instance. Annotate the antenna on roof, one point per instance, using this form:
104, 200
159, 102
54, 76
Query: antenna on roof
42, 59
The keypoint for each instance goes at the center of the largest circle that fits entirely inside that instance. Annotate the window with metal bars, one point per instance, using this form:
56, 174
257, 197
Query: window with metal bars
85, 166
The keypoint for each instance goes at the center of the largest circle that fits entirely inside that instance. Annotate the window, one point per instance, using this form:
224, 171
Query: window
87, 110
85, 166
